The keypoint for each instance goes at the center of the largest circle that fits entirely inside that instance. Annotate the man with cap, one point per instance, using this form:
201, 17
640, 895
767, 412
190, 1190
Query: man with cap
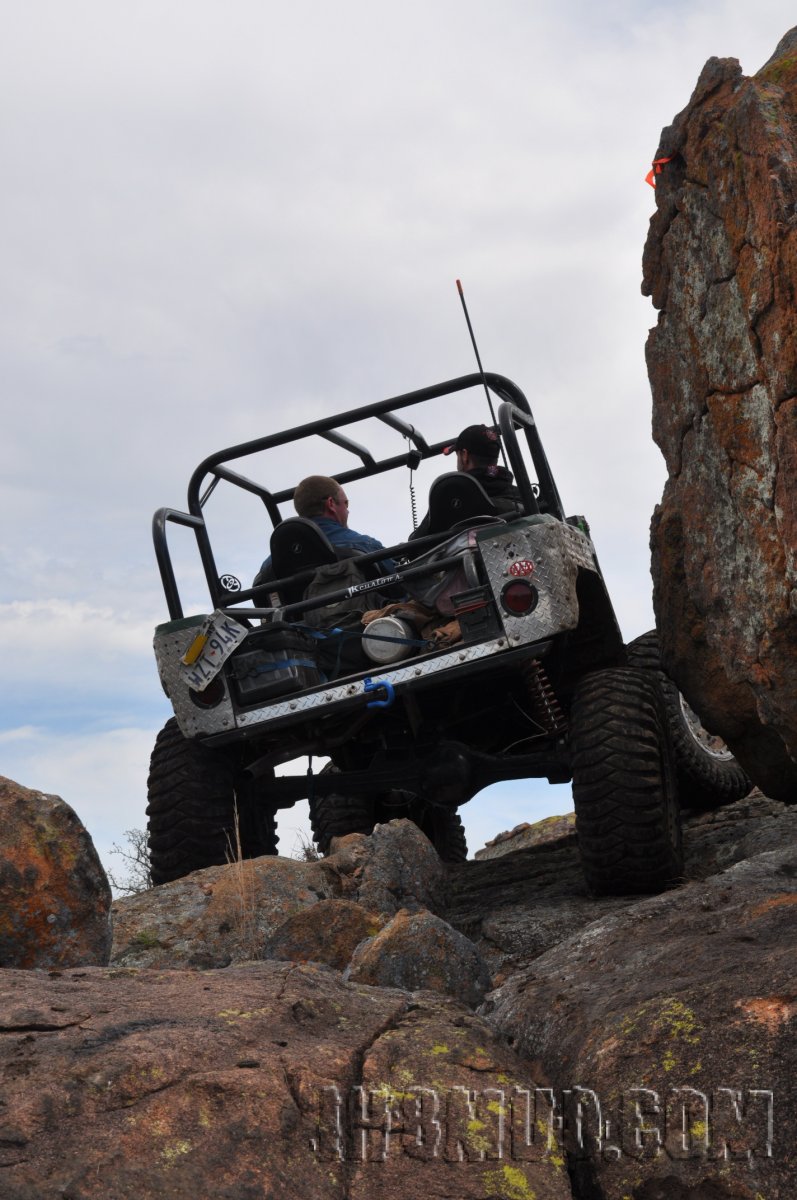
477, 450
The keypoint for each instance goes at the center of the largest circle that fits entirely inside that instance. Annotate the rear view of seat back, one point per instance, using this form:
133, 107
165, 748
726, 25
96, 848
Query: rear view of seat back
456, 497
298, 545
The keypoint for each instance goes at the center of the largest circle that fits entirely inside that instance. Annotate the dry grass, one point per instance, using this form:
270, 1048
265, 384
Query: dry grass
244, 917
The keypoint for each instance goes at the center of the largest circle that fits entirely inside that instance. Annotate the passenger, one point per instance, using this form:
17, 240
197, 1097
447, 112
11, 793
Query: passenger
321, 499
477, 450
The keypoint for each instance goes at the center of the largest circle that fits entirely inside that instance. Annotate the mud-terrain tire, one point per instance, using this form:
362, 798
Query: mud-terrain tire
336, 815
708, 774
191, 810
624, 789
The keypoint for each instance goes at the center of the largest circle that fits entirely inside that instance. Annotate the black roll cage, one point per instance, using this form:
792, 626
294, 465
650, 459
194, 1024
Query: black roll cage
514, 413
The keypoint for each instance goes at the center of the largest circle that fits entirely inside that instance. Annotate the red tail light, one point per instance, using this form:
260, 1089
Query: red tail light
519, 598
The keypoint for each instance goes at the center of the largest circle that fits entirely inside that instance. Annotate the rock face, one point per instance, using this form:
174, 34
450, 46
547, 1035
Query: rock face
721, 266
54, 896
693, 1070
258, 1081
629, 1049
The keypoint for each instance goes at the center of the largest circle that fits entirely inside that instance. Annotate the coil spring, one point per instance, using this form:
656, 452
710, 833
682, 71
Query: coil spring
545, 706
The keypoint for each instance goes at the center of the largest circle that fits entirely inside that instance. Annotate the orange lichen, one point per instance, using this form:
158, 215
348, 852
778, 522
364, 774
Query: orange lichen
781, 901
772, 1012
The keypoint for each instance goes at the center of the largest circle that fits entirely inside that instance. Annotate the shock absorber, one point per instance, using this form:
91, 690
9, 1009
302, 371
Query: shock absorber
545, 706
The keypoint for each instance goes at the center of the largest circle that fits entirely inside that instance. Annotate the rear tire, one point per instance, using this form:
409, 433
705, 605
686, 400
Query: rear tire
624, 789
708, 774
191, 809
336, 815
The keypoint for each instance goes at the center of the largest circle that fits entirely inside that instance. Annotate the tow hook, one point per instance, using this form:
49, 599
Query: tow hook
379, 686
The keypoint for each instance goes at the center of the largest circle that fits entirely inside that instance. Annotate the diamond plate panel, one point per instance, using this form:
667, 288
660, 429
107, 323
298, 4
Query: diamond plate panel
557, 551
397, 676
170, 644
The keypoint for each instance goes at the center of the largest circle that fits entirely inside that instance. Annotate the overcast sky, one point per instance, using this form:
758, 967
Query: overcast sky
222, 219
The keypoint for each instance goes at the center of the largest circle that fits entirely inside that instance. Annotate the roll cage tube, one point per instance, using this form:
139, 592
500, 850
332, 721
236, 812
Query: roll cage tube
515, 411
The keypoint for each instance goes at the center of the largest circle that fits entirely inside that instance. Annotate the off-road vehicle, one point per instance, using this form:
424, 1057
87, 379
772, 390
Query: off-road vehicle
494, 654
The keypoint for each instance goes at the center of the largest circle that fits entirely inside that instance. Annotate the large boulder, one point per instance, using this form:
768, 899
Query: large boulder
54, 895
269, 1079
668, 1033
720, 264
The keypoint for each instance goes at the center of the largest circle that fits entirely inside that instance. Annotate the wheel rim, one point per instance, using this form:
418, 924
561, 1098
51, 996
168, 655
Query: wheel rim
709, 743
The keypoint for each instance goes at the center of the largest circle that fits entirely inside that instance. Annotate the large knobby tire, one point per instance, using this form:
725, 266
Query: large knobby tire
624, 789
708, 774
192, 809
336, 815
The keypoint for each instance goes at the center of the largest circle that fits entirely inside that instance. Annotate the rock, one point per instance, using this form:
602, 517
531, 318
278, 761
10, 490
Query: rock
720, 264
420, 951
54, 896
215, 916
520, 905
401, 870
716, 840
664, 1015
261, 1080
233, 913
525, 835
328, 932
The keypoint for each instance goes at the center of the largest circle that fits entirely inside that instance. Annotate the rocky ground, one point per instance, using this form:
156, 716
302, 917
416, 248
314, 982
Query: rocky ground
377, 1024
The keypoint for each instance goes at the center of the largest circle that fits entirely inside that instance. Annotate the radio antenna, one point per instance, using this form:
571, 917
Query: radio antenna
481, 368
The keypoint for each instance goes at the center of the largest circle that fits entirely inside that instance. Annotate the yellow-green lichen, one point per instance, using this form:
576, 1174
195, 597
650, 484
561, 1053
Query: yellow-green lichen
440, 1048
144, 939
510, 1183
477, 1139
774, 72
175, 1150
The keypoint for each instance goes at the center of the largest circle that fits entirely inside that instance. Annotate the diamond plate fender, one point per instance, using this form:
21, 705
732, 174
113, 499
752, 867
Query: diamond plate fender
170, 644
557, 552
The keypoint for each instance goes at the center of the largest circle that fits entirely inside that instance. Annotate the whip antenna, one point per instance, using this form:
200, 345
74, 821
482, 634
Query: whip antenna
481, 368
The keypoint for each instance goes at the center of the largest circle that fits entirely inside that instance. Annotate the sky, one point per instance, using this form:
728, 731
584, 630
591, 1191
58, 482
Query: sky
220, 220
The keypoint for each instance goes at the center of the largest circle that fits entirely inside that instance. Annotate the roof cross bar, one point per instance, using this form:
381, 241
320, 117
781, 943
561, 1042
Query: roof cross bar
405, 429
340, 439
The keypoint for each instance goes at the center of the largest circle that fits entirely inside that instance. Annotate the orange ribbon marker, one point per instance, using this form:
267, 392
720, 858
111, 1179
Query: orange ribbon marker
655, 169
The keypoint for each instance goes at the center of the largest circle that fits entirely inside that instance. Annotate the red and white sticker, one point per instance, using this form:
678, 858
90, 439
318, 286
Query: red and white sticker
521, 568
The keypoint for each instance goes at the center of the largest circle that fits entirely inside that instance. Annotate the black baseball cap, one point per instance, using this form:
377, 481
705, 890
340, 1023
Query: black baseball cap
481, 440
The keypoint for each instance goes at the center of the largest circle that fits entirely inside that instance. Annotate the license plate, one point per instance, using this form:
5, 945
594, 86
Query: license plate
210, 649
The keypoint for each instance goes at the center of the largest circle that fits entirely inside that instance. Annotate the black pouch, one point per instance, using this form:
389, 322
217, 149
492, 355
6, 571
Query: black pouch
274, 661
339, 651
